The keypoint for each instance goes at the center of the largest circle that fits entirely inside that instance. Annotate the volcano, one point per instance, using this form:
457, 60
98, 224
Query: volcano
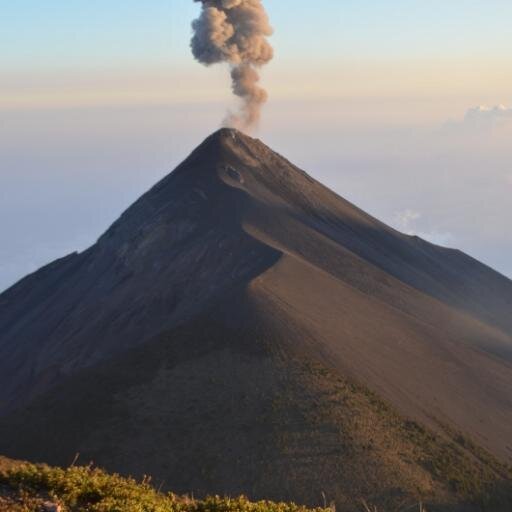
243, 329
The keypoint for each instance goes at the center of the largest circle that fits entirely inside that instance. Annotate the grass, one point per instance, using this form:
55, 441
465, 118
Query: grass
26, 487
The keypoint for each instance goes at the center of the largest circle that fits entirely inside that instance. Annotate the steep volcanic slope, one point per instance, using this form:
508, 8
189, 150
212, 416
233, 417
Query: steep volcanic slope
208, 336
179, 247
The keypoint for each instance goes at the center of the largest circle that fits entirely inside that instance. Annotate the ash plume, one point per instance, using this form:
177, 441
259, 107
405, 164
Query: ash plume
235, 32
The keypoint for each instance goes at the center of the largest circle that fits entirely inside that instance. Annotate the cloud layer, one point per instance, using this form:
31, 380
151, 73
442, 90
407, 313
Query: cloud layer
484, 112
486, 119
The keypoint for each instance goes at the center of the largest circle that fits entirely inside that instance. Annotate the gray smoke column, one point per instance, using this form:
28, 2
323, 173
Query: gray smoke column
235, 32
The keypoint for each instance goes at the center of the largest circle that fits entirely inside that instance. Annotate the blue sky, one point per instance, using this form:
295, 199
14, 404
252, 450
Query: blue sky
77, 33
99, 99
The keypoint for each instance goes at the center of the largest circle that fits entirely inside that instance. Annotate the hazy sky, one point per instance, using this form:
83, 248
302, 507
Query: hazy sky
377, 99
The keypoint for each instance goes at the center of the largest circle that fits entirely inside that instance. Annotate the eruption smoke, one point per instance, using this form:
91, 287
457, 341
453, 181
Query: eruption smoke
235, 32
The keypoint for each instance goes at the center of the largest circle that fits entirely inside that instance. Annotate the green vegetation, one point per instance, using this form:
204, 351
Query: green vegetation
26, 487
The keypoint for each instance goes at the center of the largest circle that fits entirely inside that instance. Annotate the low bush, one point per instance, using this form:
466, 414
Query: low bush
88, 489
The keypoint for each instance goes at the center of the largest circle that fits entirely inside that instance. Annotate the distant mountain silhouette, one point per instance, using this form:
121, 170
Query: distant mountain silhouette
243, 329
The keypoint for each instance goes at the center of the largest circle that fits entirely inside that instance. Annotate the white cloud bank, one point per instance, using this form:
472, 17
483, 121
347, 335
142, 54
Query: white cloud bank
484, 112
410, 222
484, 120
489, 117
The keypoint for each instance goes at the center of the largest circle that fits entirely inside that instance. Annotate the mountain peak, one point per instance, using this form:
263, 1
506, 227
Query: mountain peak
227, 139
228, 133
213, 156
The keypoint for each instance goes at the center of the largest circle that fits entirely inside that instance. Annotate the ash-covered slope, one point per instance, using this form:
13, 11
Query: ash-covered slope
176, 249
211, 335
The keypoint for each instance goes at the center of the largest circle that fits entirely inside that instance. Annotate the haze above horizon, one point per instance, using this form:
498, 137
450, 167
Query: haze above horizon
99, 100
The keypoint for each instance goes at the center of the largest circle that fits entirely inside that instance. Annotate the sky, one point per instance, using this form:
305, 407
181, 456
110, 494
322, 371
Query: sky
403, 107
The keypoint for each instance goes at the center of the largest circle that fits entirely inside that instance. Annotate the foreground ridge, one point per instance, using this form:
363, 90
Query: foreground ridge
28, 487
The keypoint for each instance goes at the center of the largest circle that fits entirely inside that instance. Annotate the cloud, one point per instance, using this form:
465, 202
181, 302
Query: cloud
483, 120
406, 220
488, 114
